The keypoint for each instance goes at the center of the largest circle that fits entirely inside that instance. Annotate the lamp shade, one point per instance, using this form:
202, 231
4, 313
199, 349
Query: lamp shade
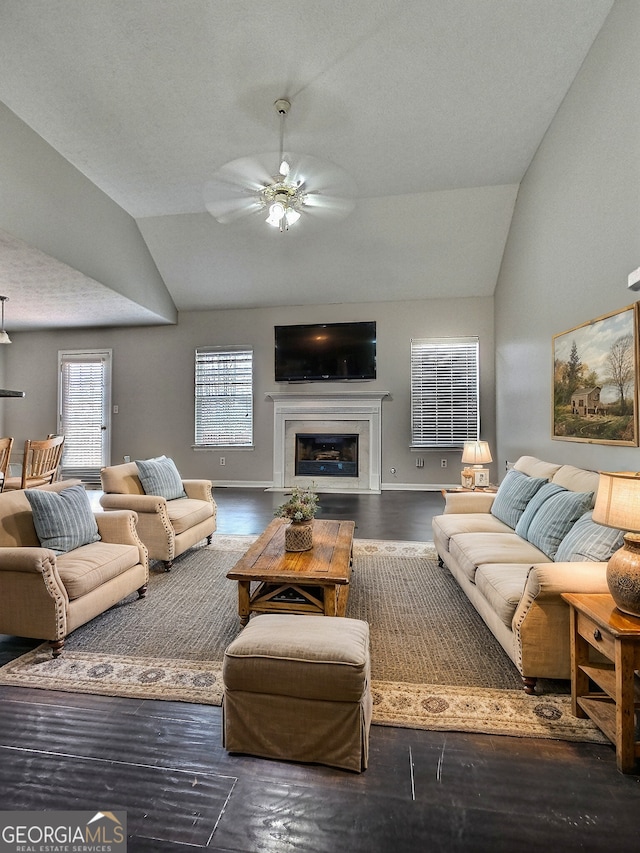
476, 452
618, 501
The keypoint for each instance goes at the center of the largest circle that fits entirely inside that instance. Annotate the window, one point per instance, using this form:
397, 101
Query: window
445, 409
224, 397
84, 395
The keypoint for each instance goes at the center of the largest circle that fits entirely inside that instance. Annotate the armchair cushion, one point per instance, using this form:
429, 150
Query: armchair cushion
185, 514
63, 520
160, 476
83, 571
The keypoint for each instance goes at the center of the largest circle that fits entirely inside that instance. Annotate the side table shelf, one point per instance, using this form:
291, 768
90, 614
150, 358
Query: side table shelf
597, 624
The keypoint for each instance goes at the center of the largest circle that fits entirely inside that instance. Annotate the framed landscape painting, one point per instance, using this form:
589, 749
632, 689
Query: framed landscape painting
595, 380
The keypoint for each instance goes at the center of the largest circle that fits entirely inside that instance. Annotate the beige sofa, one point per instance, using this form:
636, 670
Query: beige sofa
45, 595
167, 527
514, 585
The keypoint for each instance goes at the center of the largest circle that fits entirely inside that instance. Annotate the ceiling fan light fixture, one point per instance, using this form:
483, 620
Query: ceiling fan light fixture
4, 337
283, 185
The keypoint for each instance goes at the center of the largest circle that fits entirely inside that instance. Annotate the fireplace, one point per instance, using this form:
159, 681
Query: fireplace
329, 415
326, 455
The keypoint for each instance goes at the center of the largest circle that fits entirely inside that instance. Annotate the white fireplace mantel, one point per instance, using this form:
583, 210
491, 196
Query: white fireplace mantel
340, 411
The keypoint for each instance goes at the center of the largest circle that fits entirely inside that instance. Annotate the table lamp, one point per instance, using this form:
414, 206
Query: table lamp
618, 505
476, 454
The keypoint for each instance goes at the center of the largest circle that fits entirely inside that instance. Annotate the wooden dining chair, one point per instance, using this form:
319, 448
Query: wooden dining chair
40, 464
6, 444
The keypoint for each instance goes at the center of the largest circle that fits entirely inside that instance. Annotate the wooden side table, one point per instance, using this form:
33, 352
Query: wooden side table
596, 623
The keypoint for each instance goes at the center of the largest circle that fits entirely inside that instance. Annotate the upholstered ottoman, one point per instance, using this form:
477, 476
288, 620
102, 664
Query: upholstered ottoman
297, 688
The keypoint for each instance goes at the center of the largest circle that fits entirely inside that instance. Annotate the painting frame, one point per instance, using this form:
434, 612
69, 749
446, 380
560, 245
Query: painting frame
594, 382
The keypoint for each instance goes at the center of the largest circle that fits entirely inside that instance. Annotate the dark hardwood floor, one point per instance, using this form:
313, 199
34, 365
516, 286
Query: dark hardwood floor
163, 762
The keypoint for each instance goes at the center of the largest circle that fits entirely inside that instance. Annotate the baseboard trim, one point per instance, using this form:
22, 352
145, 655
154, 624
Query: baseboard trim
385, 487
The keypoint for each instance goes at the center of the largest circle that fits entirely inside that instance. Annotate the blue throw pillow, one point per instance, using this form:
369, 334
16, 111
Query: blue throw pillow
63, 520
522, 527
555, 518
514, 493
590, 542
161, 477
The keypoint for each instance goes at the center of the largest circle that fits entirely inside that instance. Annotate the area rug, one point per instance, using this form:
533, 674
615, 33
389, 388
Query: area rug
435, 665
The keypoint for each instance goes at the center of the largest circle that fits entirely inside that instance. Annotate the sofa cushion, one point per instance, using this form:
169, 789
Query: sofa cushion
470, 550
554, 519
186, 513
577, 479
588, 541
514, 493
502, 586
545, 492
85, 569
160, 476
63, 520
534, 467
467, 522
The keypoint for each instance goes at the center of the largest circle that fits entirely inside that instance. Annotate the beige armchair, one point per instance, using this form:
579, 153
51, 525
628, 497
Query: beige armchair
46, 595
167, 527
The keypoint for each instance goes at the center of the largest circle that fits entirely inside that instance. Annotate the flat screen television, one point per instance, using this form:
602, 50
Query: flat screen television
325, 352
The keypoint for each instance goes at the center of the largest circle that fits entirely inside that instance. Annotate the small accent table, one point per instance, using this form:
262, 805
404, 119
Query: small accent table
273, 580
596, 623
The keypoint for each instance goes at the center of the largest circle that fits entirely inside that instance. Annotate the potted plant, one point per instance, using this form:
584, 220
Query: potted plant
300, 509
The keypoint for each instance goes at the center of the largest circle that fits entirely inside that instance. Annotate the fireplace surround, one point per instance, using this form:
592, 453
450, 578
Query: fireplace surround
328, 414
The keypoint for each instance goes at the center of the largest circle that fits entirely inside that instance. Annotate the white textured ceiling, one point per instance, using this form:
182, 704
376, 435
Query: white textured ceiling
434, 107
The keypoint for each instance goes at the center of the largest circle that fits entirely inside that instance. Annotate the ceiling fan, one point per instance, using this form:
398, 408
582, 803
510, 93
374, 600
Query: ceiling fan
284, 185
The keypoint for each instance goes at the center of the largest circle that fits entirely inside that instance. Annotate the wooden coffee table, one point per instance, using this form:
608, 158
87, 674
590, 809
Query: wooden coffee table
272, 580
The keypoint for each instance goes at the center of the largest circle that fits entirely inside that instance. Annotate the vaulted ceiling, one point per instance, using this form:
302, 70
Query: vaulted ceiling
435, 109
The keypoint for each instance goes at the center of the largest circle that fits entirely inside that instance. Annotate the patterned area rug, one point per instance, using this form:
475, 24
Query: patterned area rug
435, 665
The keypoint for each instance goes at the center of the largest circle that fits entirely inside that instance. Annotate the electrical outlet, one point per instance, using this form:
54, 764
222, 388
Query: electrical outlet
223, 461
419, 462
443, 463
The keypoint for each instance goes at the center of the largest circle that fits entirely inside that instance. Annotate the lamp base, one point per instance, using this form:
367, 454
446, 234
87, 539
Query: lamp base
623, 575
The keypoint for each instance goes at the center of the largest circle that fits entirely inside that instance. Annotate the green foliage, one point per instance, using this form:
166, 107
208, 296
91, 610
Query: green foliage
301, 506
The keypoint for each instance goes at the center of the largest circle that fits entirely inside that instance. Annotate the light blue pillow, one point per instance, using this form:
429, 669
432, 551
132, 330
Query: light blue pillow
63, 520
590, 542
545, 492
514, 493
555, 518
160, 476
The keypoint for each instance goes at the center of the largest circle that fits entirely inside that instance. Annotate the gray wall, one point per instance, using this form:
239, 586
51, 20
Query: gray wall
153, 382
574, 238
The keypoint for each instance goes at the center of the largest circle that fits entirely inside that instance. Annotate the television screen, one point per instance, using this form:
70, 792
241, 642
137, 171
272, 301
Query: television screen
325, 351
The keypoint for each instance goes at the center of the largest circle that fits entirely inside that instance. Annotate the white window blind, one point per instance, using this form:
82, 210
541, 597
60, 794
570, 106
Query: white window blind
84, 416
445, 409
224, 397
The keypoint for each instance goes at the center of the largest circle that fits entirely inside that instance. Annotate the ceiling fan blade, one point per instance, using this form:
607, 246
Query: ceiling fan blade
228, 210
327, 206
234, 191
234, 188
321, 176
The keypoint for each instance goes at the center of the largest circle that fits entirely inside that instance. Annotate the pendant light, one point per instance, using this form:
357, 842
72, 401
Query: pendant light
4, 337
